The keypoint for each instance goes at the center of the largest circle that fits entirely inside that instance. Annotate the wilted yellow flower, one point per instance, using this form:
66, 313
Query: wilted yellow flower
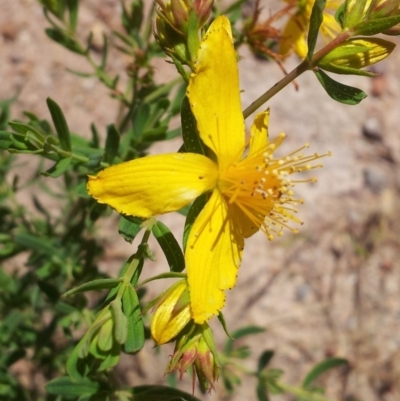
249, 189
294, 34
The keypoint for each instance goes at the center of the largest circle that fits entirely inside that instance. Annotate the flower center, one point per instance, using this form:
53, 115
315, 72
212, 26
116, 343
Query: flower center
260, 186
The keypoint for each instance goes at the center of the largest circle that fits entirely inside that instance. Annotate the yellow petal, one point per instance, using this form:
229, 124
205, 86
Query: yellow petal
170, 317
213, 256
259, 133
214, 94
155, 184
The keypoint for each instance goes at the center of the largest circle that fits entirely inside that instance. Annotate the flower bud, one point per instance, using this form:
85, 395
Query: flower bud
177, 13
195, 347
353, 54
172, 313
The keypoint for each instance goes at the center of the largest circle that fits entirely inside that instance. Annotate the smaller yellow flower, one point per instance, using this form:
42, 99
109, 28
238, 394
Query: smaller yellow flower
294, 34
172, 313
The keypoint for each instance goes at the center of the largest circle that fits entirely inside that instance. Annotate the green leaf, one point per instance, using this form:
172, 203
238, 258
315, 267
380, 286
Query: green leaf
264, 360
129, 227
339, 15
262, 391
340, 92
242, 332
170, 247
135, 338
60, 124
111, 358
66, 386
64, 40
315, 23
73, 13
191, 138
94, 285
246, 331
160, 393
59, 168
41, 245
193, 35
354, 12
194, 211
5, 139
112, 143
140, 118
373, 27
104, 338
322, 367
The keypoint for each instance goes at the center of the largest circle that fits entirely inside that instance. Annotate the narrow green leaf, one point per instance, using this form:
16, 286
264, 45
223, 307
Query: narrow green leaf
59, 168
112, 143
95, 136
322, 367
60, 37
5, 139
373, 27
264, 360
194, 211
193, 34
60, 124
73, 13
340, 92
67, 386
105, 52
170, 247
315, 23
236, 335
129, 227
140, 118
262, 391
339, 15
130, 304
191, 138
246, 331
41, 245
94, 285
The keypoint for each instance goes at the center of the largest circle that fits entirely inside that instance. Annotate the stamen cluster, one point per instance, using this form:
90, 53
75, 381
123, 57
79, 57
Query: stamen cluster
260, 186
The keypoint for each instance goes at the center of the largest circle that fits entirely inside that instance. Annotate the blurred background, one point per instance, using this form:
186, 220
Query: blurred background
331, 290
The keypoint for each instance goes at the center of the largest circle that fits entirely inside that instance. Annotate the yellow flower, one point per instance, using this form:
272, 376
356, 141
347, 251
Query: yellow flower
249, 190
294, 34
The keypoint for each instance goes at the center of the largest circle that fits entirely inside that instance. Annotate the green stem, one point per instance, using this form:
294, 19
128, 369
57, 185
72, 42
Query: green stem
304, 66
301, 393
82, 159
139, 255
286, 80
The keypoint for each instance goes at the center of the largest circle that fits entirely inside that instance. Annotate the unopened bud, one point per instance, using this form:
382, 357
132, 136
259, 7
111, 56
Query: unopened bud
172, 313
353, 54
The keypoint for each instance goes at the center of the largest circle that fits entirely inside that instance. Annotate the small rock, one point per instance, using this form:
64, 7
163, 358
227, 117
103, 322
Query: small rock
373, 129
9, 31
375, 179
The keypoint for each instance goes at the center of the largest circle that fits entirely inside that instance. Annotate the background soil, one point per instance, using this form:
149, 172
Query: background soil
331, 290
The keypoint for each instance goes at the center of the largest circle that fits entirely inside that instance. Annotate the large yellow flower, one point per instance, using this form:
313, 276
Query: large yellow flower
294, 34
248, 188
